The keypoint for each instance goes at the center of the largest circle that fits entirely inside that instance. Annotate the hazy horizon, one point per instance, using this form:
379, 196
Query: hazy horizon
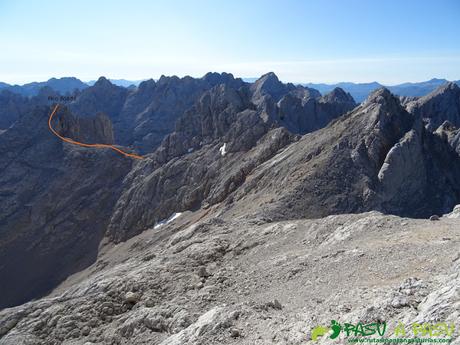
93, 80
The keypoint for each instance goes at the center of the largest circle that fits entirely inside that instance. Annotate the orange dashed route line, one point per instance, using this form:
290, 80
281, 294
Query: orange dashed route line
73, 142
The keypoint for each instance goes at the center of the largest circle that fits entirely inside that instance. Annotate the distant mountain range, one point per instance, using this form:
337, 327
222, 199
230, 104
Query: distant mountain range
62, 85
359, 91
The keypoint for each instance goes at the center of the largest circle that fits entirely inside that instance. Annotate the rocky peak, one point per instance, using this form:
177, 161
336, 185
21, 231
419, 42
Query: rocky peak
147, 85
386, 109
385, 123
103, 97
215, 78
166, 80
305, 93
268, 84
223, 95
338, 95
103, 82
210, 118
300, 111
381, 96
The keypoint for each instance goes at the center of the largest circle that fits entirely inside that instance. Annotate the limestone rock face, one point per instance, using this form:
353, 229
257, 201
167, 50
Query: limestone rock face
91, 129
333, 105
451, 134
304, 113
403, 175
443, 104
268, 85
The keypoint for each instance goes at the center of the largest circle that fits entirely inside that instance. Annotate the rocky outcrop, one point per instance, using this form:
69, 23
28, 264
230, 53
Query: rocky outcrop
304, 113
451, 134
387, 123
89, 130
403, 174
441, 105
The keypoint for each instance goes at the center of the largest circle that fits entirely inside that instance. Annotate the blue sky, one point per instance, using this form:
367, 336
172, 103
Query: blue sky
301, 40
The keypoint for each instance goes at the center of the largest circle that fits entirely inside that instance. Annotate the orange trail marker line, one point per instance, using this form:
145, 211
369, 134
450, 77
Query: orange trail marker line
73, 142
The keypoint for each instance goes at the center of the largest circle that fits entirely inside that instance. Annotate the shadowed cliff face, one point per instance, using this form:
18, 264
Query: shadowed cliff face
96, 129
55, 203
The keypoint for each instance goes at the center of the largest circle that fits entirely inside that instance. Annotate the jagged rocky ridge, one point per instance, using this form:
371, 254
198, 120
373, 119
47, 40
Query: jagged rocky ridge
144, 116
237, 142
56, 196
377, 157
239, 152
215, 146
